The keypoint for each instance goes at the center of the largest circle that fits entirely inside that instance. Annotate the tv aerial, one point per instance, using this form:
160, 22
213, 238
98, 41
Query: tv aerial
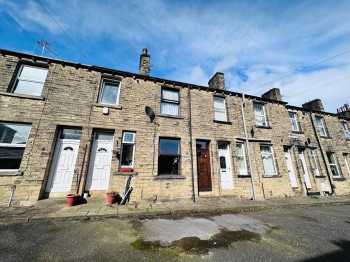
45, 46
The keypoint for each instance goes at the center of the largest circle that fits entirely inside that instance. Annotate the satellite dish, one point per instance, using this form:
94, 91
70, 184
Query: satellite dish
149, 111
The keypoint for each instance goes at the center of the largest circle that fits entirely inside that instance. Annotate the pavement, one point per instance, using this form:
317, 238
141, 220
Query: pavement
95, 208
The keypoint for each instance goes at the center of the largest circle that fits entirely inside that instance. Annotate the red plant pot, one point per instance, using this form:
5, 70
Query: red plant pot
72, 199
125, 169
111, 198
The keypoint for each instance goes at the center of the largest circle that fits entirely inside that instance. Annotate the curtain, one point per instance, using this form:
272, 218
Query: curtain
267, 158
169, 109
170, 95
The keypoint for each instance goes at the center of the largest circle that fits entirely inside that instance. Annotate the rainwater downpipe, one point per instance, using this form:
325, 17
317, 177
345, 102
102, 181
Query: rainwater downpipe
191, 147
322, 153
13, 188
248, 147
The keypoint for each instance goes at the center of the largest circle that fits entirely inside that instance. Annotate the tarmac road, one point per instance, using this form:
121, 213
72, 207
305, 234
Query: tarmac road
299, 234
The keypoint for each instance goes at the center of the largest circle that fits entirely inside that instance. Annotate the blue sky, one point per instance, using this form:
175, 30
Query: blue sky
254, 43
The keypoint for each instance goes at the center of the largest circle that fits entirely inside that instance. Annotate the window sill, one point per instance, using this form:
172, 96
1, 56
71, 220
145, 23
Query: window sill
263, 127
298, 132
11, 173
108, 105
170, 116
222, 122
167, 177
320, 176
244, 176
326, 137
125, 173
339, 179
272, 176
22, 96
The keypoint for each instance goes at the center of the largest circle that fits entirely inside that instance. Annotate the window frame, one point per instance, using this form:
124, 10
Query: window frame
314, 163
294, 119
321, 126
102, 88
10, 145
273, 160
220, 110
170, 155
170, 101
345, 129
244, 160
346, 160
133, 143
18, 78
258, 115
333, 159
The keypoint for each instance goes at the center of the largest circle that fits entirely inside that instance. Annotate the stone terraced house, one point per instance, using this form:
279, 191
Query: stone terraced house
66, 126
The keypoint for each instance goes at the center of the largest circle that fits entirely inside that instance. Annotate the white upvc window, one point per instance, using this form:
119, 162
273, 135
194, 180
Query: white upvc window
314, 164
13, 140
346, 160
259, 113
30, 80
220, 109
170, 102
268, 160
333, 165
128, 150
109, 92
241, 160
345, 129
320, 125
293, 120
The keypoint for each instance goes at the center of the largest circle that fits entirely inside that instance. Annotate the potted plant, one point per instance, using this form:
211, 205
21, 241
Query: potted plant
72, 199
111, 197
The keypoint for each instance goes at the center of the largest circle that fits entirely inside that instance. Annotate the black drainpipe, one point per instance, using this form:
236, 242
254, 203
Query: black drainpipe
191, 148
323, 156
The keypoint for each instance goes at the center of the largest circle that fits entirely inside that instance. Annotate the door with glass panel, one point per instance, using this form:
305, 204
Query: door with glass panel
64, 160
292, 178
225, 165
304, 169
100, 161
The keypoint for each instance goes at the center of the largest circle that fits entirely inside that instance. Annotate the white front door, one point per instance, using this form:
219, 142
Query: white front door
225, 166
100, 162
63, 165
305, 171
293, 180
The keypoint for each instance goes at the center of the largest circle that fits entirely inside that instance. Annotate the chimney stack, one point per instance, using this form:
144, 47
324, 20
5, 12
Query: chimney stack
145, 62
315, 104
344, 111
217, 81
273, 94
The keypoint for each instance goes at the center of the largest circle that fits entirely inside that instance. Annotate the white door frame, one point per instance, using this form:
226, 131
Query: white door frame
292, 178
61, 145
226, 179
99, 144
304, 168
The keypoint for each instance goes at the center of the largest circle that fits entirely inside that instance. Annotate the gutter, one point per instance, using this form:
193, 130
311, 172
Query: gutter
322, 153
191, 146
248, 148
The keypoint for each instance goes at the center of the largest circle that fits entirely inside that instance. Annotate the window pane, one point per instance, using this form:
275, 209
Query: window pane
14, 133
258, 109
170, 95
28, 88
128, 137
127, 155
169, 147
68, 133
219, 103
222, 162
109, 93
168, 165
169, 109
104, 136
220, 116
201, 145
222, 145
10, 158
239, 149
34, 73
268, 161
